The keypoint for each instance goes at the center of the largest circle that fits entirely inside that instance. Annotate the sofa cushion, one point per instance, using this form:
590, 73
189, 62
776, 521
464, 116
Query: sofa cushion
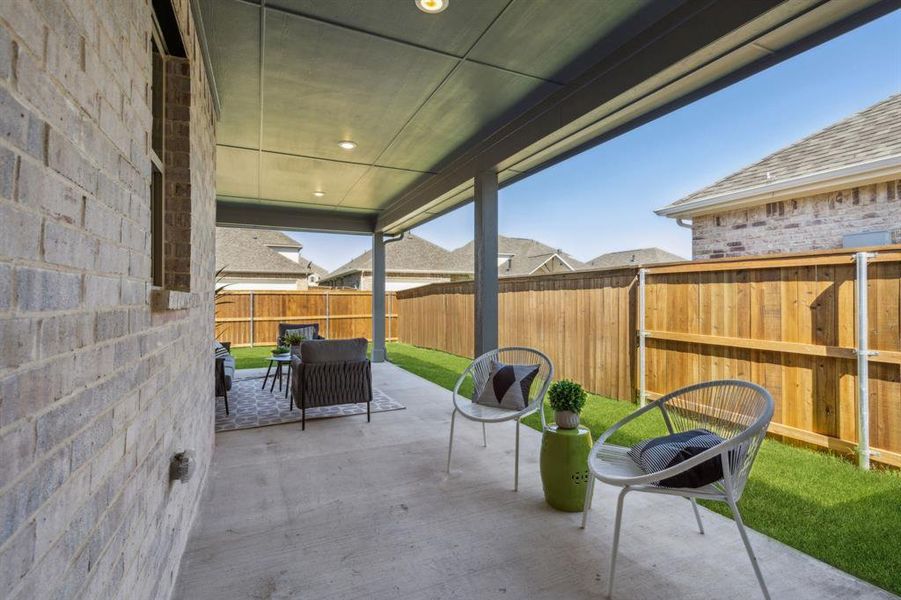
283, 328
308, 332
508, 386
229, 364
326, 351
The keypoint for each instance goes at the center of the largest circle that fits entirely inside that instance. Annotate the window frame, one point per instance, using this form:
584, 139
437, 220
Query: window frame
157, 48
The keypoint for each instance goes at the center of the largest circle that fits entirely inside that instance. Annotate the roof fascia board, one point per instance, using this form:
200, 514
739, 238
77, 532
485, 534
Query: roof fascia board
796, 187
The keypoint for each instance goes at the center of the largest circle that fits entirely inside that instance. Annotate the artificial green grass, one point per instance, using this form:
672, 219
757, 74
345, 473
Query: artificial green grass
816, 502
252, 358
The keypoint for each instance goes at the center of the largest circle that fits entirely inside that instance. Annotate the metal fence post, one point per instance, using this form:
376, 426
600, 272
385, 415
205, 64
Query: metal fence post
328, 316
251, 318
642, 333
863, 366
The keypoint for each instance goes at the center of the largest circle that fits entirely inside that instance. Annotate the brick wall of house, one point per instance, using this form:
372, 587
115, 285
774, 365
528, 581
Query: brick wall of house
97, 389
810, 223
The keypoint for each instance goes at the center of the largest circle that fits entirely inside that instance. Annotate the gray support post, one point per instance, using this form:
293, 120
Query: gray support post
378, 297
863, 363
485, 267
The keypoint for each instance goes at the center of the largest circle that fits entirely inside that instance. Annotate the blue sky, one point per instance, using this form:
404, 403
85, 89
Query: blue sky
603, 199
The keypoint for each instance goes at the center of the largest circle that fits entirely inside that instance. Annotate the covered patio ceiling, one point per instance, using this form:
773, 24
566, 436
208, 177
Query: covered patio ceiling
431, 101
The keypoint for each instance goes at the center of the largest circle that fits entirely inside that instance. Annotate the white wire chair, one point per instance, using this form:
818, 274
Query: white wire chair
738, 411
479, 372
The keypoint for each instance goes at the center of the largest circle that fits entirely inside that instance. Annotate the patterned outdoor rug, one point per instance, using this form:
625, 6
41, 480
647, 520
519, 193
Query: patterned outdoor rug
249, 407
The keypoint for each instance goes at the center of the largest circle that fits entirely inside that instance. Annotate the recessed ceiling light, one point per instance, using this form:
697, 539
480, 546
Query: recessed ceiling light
319, 194
347, 144
433, 7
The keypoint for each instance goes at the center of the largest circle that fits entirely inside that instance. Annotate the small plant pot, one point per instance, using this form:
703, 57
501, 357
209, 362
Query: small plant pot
566, 419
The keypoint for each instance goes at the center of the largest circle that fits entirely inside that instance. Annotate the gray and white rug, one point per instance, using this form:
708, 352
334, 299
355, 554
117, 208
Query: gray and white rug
250, 406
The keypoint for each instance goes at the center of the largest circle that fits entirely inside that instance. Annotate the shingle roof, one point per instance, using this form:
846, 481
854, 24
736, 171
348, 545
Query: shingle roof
412, 253
639, 256
869, 135
250, 251
527, 255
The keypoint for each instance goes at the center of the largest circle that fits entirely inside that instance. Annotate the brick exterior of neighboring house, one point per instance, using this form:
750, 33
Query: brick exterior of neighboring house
99, 378
842, 180
807, 223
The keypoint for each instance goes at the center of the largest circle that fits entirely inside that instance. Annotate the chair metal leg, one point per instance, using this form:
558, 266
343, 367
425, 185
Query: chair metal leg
619, 519
589, 495
303, 418
225, 396
516, 468
744, 538
484, 437
450, 445
368, 412
694, 505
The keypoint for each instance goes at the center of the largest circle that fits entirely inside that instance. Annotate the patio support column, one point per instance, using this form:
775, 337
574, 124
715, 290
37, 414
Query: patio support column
378, 297
485, 267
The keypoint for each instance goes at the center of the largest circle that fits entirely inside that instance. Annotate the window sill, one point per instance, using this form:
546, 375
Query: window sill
162, 299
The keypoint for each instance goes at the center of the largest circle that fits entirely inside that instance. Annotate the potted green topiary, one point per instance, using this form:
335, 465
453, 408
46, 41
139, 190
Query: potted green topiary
567, 399
280, 350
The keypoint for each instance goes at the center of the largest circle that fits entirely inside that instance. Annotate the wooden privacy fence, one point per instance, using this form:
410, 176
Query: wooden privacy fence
787, 322
582, 321
252, 318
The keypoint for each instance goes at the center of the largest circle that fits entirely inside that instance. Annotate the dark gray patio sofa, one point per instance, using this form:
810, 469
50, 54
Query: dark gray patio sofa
329, 373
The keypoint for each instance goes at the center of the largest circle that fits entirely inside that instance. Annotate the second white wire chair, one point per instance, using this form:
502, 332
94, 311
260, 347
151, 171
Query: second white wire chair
738, 411
479, 372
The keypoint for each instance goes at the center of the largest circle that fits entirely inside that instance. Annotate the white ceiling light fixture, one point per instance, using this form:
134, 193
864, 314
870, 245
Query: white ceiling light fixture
432, 7
319, 194
347, 144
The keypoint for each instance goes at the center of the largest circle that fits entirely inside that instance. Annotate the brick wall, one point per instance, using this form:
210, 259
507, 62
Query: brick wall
810, 223
177, 159
97, 390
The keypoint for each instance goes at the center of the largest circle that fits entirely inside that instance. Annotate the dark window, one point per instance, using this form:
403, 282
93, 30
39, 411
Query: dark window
157, 204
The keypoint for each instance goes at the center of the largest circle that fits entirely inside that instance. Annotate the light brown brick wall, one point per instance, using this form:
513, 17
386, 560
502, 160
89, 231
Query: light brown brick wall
97, 390
810, 223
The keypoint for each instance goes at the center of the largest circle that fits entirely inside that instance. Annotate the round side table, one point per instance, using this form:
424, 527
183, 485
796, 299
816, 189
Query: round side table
564, 466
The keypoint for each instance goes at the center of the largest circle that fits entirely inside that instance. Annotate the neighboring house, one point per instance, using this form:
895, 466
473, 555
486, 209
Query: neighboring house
414, 261
840, 187
627, 258
522, 256
409, 262
259, 259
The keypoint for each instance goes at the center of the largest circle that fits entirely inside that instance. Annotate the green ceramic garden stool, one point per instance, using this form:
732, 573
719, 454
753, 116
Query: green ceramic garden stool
564, 466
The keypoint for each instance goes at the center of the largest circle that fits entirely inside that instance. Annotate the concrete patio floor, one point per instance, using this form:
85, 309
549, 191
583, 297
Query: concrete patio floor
348, 509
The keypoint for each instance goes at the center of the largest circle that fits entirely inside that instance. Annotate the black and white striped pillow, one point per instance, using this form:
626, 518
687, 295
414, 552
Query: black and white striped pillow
221, 351
508, 386
661, 453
